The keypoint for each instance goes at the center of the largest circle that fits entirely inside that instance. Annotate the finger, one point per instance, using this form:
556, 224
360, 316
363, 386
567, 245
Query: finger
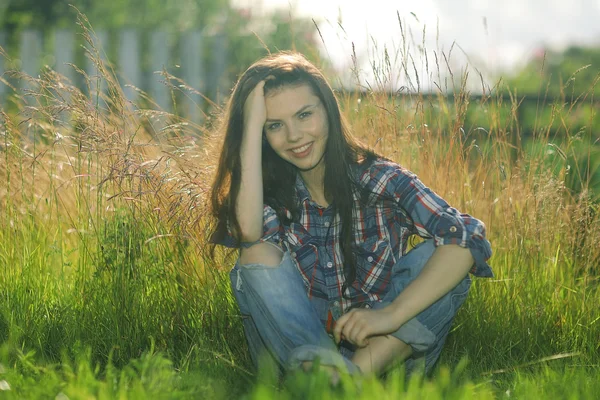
348, 329
343, 330
337, 329
339, 326
361, 338
356, 333
361, 330
258, 90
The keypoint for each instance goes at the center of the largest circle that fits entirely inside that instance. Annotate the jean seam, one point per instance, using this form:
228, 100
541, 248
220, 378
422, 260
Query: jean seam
283, 340
452, 309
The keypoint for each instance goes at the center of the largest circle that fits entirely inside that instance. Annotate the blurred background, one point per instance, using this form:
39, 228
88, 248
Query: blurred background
543, 52
205, 43
499, 39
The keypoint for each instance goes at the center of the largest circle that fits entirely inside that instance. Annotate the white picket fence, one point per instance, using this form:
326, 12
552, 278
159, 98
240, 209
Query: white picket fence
138, 56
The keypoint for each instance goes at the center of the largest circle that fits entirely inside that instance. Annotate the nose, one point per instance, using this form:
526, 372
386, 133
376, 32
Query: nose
293, 133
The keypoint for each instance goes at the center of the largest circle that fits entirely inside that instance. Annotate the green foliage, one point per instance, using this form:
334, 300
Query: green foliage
557, 383
575, 161
143, 14
252, 37
557, 95
151, 375
566, 74
16, 14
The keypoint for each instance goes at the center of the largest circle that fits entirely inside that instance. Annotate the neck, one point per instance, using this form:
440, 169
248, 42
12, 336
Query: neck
315, 183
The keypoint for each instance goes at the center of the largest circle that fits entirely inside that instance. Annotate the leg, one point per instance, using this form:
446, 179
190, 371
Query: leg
426, 333
269, 256
277, 313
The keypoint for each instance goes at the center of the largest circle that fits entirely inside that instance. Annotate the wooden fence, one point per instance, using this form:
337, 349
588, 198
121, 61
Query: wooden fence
198, 59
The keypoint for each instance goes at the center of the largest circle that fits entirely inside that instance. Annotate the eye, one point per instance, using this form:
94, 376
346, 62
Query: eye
274, 126
305, 114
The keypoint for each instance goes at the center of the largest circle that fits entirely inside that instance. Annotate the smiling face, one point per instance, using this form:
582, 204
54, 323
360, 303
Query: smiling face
297, 127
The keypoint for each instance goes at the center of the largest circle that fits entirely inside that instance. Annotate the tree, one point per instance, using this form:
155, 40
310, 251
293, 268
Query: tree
47, 14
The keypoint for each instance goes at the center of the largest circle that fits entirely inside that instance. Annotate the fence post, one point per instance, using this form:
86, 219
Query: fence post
64, 45
129, 58
31, 49
159, 60
158, 89
193, 74
97, 83
203, 80
64, 53
3, 88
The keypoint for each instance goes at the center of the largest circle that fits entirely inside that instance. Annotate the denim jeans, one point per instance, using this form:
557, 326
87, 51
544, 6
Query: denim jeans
278, 316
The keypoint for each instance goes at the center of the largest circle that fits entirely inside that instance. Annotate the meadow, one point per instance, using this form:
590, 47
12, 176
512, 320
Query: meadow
109, 290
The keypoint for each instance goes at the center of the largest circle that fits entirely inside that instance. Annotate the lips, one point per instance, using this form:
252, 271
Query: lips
302, 151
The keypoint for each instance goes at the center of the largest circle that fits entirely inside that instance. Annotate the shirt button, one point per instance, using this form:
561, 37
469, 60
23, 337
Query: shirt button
452, 229
329, 264
336, 303
326, 224
370, 259
293, 254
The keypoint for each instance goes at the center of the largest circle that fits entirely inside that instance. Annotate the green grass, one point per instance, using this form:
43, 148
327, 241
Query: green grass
122, 311
108, 290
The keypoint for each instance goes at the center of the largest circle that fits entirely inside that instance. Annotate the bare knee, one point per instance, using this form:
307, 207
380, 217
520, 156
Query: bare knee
268, 254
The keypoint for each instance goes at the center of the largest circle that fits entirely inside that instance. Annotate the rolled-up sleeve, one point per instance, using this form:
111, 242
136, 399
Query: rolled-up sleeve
271, 231
433, 217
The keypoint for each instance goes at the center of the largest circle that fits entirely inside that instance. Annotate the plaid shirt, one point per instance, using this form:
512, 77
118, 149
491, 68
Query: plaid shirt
381, 230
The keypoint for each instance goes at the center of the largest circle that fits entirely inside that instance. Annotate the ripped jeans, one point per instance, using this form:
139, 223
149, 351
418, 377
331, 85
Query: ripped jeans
278, 316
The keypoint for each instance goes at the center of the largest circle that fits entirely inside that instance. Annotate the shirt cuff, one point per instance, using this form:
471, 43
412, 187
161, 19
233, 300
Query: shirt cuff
466, 232
272, 237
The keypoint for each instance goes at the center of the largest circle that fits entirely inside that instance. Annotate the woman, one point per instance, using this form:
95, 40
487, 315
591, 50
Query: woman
322, 225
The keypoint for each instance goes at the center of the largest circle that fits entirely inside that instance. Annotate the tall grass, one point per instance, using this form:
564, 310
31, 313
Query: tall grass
107, 288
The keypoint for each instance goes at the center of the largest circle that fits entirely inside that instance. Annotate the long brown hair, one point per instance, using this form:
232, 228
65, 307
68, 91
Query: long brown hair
342, 152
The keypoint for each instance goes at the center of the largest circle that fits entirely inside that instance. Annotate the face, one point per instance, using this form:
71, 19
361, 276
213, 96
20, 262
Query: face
297, 127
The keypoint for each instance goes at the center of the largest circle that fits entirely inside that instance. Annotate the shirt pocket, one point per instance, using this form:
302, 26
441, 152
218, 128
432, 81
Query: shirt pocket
374, 262
304, 253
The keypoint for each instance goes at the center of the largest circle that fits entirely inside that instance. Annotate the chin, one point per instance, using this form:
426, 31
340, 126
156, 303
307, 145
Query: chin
306, 166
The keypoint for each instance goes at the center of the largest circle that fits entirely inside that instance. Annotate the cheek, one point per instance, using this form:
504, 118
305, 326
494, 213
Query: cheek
324, 122
318, 128
324, 129
274, 141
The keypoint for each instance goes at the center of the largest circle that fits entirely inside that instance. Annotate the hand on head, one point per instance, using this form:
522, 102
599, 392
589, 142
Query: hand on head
255, 111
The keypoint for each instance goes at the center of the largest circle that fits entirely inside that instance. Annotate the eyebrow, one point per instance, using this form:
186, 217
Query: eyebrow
300, 111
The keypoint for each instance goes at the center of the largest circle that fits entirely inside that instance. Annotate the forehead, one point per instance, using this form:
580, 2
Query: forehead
287, 100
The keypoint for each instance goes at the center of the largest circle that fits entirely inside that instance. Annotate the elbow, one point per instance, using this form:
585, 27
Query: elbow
250, 233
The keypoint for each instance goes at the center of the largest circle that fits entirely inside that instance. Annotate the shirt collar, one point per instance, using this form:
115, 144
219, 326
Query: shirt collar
301, 190
303, 194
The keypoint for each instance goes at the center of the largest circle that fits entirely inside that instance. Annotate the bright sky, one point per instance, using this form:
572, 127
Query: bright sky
497, 36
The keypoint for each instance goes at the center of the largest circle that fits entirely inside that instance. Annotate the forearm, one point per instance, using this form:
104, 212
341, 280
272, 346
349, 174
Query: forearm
448, 265
249, 207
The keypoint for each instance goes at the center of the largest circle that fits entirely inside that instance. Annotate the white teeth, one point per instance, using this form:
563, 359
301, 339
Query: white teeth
301, 149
